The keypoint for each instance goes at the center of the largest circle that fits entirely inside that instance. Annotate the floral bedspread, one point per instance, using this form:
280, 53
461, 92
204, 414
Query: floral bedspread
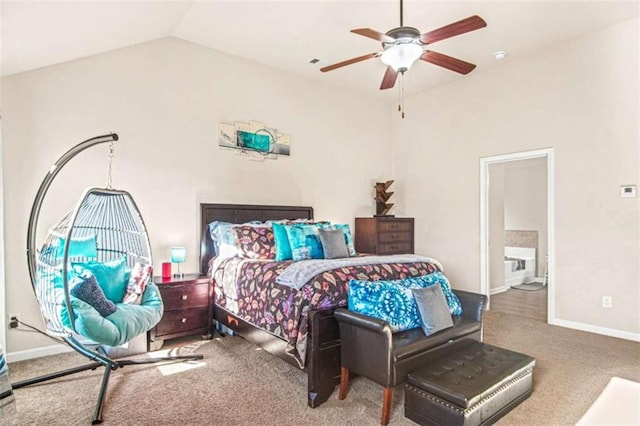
248, 289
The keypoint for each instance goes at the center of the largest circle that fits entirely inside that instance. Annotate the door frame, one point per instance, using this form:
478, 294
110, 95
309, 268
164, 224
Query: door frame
485, 162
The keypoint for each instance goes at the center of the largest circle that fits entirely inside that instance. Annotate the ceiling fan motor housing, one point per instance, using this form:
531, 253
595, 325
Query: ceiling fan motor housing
402, 34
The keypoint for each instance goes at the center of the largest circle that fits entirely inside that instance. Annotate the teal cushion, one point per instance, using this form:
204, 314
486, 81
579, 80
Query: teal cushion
80, 247
112, 276
283, 248
124, 324
392, 301
304, 241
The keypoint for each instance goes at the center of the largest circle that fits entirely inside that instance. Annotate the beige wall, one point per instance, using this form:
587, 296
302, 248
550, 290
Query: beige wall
165, 99
580, 98
496, 226
525, 202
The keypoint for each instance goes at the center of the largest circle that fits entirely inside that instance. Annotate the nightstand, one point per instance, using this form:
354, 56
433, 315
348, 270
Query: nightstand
188, 303
384, 235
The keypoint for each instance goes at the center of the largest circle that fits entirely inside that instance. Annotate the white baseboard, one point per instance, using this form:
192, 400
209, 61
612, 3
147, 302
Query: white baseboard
627, 335
37, 353
501, 289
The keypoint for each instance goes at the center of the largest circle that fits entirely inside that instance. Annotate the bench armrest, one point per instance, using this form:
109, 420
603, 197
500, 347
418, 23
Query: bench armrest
473, 304
356, 319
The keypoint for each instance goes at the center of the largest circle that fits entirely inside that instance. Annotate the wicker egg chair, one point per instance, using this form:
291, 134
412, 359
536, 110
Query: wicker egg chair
97, 244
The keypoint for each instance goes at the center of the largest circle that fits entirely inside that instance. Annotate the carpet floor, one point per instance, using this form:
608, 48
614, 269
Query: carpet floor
239, 384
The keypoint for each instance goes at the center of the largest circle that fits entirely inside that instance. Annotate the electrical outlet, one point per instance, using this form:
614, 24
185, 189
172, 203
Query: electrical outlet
13, 320
607, 302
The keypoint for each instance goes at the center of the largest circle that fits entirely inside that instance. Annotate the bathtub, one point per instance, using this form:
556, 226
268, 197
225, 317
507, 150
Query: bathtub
519, 265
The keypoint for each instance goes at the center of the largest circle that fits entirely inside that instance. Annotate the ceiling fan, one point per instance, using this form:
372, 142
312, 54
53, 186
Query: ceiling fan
402, 46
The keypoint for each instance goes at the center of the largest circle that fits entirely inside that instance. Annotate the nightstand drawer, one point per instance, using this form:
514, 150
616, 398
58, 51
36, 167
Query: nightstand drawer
390, 237
395, 225
184, 320
183, 296
395, 248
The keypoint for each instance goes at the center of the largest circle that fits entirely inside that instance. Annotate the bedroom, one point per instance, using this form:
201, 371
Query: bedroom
578, 96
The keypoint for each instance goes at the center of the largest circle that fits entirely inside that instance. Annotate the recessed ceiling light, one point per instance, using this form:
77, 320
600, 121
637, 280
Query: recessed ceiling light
500, 54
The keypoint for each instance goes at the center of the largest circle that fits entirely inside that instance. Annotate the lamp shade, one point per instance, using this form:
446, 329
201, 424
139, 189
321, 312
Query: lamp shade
401, 56
178, 254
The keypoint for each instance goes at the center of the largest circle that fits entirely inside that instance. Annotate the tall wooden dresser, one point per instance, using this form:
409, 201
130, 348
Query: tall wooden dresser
384, 235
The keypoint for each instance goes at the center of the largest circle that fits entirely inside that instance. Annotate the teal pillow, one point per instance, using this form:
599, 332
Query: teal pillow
80, 247
283, 248
112, 276
304, 241
393, 301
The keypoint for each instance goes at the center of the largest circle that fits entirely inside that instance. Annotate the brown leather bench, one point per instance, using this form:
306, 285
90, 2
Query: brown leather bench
370, 349
475, 385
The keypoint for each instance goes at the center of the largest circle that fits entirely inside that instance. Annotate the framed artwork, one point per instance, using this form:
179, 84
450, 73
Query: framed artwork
253, 137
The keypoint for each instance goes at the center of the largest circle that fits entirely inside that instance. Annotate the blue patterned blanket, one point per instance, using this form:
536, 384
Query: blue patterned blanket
299, 273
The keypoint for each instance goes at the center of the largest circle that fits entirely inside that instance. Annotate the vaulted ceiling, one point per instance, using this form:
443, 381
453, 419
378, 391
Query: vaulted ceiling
286, 35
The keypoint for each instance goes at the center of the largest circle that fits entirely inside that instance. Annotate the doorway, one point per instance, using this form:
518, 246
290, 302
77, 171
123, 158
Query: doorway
534, 246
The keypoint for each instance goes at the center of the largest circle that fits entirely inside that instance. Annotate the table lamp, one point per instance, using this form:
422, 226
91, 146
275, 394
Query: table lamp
178, 255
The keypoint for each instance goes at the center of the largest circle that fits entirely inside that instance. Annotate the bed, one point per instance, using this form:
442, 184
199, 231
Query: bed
295, 325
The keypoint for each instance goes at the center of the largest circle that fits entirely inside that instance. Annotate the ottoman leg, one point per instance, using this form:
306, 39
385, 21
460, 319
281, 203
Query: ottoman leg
344, 382
386, 406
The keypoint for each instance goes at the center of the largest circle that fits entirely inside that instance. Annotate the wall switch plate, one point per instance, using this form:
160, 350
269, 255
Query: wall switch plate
628, 191
607, 302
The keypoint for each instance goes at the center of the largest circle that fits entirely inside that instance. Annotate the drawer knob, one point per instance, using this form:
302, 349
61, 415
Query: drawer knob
183, 320
184, 297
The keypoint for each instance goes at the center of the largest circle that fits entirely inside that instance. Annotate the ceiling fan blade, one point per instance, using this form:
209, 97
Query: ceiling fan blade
447, 62
469, 24
376, 35
349, 62
389, 79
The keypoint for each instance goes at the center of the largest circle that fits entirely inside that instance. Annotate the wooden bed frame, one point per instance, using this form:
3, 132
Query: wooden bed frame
323, 344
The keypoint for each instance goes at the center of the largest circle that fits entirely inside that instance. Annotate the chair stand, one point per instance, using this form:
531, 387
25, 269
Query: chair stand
99, 360
387, 396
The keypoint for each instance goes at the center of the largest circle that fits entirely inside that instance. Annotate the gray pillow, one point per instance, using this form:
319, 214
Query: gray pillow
433, 309
333, 243
86, 288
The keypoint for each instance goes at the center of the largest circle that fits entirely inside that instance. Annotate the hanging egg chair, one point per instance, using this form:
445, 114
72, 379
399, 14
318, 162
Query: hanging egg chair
92, 276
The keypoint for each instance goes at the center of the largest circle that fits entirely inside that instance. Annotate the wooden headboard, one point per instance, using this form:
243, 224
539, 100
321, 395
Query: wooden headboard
240, 213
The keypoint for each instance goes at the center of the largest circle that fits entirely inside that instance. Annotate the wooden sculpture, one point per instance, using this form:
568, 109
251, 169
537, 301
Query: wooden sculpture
382, 196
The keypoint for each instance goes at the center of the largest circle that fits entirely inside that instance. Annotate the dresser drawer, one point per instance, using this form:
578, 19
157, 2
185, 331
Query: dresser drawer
182, 296
395, 248
393, 225
183, 320
390, 237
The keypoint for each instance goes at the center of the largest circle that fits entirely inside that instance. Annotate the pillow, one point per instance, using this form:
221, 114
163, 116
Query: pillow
112, 276
385, 300
393, 301
283, 248
255, 242
86, 288
455, 307
140, 275
80, 247
432, 309
333, 243
224, 240
347, 236
304, 241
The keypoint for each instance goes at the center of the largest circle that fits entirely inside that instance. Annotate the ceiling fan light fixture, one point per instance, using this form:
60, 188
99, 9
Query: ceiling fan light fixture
401, 56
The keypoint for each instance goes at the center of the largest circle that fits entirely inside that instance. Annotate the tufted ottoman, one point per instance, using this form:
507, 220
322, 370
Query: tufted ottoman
473, 386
